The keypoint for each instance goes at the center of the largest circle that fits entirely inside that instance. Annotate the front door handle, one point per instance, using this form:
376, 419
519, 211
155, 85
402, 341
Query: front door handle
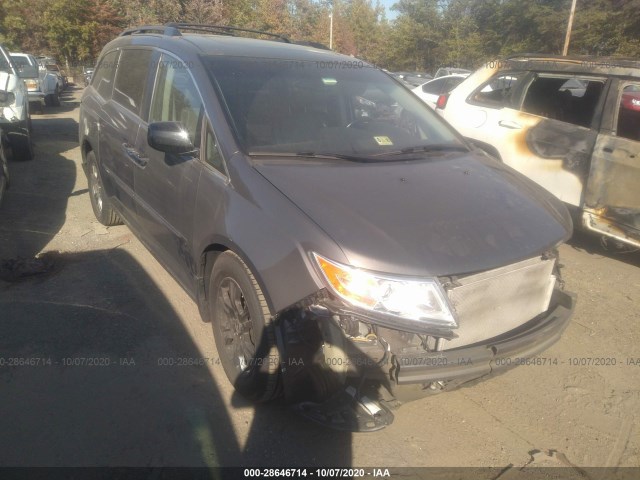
510, 124
134, 155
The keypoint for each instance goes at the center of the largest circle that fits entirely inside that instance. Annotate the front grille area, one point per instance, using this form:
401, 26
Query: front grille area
493, 302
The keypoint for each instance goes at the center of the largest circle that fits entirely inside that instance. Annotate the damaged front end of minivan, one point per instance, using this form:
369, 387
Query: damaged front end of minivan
355, 350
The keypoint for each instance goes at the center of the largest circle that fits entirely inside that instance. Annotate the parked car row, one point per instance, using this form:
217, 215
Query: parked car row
15, 121
26, 82
348, 246
51, 65
411, 79
45, 89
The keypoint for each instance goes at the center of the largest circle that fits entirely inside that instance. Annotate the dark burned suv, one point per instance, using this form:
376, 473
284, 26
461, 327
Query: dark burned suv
349, 248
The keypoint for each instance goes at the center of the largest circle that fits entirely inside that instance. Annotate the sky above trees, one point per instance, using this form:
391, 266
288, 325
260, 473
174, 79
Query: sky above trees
417, 35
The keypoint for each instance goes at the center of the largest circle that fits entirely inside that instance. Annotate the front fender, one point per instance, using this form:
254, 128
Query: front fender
271, 234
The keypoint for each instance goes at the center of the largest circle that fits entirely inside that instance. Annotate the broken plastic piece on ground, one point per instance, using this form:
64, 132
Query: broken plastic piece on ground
346, 412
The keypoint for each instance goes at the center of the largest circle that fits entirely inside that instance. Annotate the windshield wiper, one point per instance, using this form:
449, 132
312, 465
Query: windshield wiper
370, 158
435, 147
311, 154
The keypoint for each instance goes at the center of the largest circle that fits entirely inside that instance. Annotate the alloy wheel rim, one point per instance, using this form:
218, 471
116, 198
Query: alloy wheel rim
96, 190
235, 324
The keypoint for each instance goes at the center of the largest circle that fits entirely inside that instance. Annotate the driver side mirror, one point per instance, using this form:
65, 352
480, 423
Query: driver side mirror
169, 137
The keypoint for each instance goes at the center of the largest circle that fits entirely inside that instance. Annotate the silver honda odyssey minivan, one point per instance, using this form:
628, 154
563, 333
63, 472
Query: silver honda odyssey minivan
350, 249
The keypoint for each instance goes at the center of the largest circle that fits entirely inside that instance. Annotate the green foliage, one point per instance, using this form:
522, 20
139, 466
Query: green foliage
425, 34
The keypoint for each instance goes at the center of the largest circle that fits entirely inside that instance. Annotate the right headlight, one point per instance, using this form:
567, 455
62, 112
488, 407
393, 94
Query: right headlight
417, 300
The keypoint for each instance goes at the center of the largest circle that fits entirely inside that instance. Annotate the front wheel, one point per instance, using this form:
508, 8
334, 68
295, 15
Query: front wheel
243, 329
102, 208
20, 141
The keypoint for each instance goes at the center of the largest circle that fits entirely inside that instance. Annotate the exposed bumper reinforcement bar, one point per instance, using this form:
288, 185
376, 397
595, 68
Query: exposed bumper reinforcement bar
487, 358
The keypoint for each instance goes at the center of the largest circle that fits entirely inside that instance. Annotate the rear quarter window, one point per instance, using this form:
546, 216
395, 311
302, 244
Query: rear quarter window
103, 77
131, 78
497, 92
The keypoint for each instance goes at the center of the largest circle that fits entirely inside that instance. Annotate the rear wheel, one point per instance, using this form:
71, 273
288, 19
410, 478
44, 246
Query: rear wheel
243, 330
53, 99
56, 98
102, 208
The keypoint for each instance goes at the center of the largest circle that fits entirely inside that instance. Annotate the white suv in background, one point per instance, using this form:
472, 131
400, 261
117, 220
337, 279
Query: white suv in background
14, 110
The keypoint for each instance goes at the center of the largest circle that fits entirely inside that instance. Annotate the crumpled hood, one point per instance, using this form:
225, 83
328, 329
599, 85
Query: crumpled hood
444, 215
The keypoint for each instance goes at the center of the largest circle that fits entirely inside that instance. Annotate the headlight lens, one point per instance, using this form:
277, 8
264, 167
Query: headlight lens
420, 300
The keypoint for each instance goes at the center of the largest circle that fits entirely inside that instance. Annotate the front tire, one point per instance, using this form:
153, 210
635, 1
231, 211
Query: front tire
243, 329
102, 208
20, 140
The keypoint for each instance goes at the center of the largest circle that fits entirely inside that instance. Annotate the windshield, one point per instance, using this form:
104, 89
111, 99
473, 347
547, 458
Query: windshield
287, 106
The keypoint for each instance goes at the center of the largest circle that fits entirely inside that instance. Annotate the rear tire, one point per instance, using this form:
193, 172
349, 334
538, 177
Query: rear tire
102, 208
56, 98
243, 329
53, 99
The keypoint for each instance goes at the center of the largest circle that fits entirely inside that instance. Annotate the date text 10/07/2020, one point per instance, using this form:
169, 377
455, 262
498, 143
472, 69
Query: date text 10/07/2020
316, 472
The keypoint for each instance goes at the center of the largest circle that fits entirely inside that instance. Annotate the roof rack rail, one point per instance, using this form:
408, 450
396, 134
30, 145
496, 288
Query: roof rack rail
175, 30
224, 29
586, 60
160, 29
307, 43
